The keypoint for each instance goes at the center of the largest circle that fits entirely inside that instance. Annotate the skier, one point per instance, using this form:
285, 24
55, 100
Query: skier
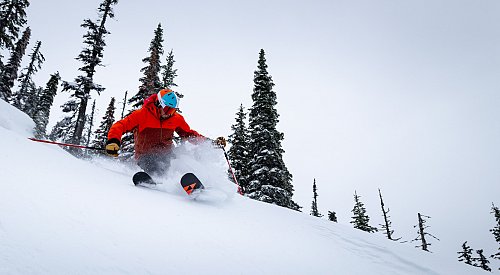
153, 126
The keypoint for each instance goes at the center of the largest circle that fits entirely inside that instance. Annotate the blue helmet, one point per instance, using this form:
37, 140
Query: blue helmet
167, 98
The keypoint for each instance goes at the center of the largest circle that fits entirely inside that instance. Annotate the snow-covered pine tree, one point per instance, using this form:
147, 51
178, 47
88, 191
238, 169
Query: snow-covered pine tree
101, 133
169, 73
269, 179
466, 254
23, 99
481, 261
91, 57
32, 103
238, 153
90, 125
496, 230
42, 113
12, 18
150, 82
422, 233
386, 227
332, 216
10, 70
314, 205
64, 129
360, 218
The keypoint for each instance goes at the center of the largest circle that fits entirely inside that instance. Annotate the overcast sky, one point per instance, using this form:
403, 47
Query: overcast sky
398, 95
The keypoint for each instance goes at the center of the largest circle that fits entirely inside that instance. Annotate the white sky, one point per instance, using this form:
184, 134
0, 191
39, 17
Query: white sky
401, 95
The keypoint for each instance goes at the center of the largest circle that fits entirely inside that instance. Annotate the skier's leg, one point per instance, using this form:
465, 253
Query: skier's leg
155, 164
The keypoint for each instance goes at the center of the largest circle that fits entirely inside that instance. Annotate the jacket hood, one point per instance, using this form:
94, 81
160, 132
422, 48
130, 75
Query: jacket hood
150, 101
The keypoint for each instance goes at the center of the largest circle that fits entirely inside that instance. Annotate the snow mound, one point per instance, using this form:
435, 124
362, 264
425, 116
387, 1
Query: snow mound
12, 119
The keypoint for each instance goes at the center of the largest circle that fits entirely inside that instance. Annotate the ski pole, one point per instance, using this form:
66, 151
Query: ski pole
66, 144
231, 169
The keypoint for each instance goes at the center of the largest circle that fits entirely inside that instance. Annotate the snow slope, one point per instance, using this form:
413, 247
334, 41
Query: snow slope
62, 215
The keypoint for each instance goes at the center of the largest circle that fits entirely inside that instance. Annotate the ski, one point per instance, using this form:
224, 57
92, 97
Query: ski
143, 179
191, 183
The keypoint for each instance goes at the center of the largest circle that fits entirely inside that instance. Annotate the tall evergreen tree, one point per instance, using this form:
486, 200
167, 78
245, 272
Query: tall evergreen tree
314, 205
360, 218
169, 73
32, 103
466, 254
42, 113
481, 261
238, 153
12, 18
422, 233
269, 179
332, 216
10, 70
387, 223
496, 230
24, 100
101, 134
64, 129
90, 124
150, 82
91, 57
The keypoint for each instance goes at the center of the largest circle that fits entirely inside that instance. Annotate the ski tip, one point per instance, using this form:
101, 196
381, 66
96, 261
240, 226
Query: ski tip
190, 183
141, 178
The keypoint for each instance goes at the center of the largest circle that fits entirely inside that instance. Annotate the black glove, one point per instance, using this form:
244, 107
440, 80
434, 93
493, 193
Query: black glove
112, 147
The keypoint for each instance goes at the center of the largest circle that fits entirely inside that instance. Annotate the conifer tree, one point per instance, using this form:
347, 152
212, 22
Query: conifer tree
25, 100
238, 153
496, 230
90, 124
32, 102
101, 134
64, 129
387, 223
466, 254
169, 73
360, 218
42, 113
12, 18
314, 205
481, 261
10, 70
422, 233
91, 57
269, 179
332, 216
150, 82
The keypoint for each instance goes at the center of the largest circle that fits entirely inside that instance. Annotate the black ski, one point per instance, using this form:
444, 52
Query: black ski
143, 179
190, 183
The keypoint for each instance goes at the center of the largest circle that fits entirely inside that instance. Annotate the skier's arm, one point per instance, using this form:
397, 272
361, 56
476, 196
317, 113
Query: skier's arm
185, 132
127, 124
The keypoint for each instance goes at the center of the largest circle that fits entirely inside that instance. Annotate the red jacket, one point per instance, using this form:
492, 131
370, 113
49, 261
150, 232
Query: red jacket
151, 133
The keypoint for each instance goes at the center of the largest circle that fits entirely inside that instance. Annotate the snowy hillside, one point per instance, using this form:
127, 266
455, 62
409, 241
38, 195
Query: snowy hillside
61, 215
